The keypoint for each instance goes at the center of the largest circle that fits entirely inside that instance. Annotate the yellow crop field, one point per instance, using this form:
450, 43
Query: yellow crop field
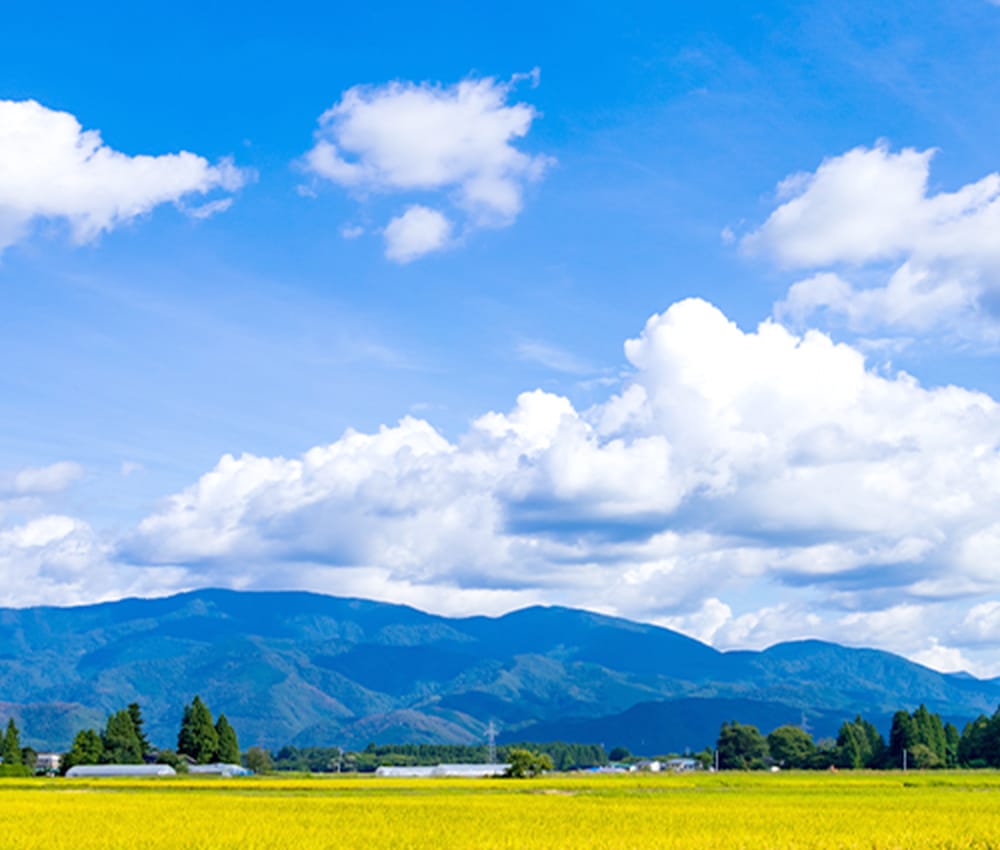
756, 811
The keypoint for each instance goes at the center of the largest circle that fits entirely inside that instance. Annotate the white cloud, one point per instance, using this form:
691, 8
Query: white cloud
887, 250
418, 231
43, 480
733, 466
53, 169
458, 140
948, 659
743, 486
59, 560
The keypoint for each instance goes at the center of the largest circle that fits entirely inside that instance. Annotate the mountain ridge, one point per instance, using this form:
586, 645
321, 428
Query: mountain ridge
306, 668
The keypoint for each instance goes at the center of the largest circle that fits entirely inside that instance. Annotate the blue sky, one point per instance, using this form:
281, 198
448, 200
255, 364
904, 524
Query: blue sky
496, 201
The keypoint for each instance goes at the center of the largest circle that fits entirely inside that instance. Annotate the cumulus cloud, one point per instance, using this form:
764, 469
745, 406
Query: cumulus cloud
745, 486
59, 560
456, 142
732, 466
418, 231
51, 169
887, 251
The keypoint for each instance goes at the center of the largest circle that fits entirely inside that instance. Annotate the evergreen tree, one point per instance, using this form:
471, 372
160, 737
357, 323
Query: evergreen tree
902, 736
859, 744
198, 738
951, 738
923, 737
121, 743
229, 748
88, 748
852, 748
138, 722
876, 743
10, 751
930, 734
979, 745
185, 737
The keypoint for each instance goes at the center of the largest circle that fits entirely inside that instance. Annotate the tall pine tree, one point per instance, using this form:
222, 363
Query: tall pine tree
902, 736
197, 738
137, 721
229, 747
121, 743
11, 749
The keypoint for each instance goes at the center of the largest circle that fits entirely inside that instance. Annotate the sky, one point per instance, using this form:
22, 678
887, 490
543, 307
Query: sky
688, 313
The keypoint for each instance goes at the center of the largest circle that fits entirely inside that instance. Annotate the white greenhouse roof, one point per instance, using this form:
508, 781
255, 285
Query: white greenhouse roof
220, 769
444, 770
121, 770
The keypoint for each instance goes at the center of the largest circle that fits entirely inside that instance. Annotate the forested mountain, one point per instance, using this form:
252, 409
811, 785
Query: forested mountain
306, 669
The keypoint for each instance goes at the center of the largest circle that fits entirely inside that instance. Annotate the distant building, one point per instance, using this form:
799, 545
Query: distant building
48, 762
108, 770
220, 769
681, 765
405, 771
650, 765
469, 771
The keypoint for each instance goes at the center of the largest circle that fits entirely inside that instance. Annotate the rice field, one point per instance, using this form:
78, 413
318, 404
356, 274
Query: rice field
864, 811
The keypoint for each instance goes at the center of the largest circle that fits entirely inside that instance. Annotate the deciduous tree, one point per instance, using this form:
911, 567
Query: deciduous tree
791, 746
741, 747
258, 760
88, 748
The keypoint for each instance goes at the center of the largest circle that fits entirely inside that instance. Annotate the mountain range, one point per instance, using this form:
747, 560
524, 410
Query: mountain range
308, 669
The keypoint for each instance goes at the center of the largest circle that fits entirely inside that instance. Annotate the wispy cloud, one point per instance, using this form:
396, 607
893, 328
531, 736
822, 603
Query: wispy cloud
552, 357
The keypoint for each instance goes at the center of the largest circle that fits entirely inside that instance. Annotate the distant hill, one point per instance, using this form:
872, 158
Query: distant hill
308, 669
676, 726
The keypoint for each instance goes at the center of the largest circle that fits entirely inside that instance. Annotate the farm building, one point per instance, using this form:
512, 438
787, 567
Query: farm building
455, 770
405, 772
107, 770
48, 762
471, 770
219, 769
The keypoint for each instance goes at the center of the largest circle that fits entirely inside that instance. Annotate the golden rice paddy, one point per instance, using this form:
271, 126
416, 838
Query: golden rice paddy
789, 811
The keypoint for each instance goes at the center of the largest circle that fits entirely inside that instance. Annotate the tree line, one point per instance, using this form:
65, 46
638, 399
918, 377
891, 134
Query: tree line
563, 756
123, 741
920, 740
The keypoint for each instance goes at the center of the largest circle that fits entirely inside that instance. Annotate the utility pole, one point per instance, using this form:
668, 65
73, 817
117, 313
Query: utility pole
716, 761
904, 759
491, 736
